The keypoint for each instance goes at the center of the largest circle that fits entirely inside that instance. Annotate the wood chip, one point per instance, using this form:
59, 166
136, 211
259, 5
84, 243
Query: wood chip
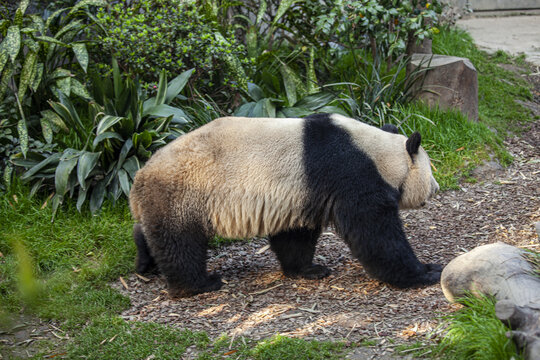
265, 290
124, 283
263, 249
143, 278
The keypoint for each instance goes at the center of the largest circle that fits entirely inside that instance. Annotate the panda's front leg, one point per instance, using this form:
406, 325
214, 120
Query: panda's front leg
295, 249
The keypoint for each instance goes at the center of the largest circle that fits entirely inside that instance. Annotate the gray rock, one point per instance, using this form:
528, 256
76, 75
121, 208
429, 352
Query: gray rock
450, 82
537, 225
487, 171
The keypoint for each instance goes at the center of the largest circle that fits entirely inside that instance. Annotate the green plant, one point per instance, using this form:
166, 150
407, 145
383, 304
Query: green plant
148, 36
263, 106
474, 332
126, 127
377, 97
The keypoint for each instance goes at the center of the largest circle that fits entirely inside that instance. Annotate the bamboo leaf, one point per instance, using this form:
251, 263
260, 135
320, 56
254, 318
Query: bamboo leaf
87, 162
12, 42
23, 136
27, 72
81, 53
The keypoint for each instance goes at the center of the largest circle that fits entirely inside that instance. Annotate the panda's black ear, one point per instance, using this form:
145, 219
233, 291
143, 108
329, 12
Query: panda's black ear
413, 143
390, 128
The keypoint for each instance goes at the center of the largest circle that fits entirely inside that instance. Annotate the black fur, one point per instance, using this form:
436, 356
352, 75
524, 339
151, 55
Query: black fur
181, 257
344, 183
413, 143
390, 128
144, 262
295, 249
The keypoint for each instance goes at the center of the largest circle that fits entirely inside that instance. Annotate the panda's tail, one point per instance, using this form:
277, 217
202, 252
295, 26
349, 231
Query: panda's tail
145, 262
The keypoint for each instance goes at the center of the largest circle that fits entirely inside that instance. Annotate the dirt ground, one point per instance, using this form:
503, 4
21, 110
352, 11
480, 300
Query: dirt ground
257, 301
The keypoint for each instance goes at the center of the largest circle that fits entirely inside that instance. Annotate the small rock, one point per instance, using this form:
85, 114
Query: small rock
537, 225
487, 171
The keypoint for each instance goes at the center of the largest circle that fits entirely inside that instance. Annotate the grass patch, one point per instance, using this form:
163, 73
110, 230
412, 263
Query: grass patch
497, 88
60, 270
455, 144
476, 333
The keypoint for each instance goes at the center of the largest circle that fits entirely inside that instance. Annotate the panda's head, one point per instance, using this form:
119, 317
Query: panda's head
419, 185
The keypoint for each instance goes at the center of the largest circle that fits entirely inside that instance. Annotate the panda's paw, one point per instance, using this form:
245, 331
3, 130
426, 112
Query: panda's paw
213, 283
314, 272
434, 267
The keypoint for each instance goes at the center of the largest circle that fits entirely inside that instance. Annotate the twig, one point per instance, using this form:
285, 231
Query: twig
124, 283
266, 290
349, 333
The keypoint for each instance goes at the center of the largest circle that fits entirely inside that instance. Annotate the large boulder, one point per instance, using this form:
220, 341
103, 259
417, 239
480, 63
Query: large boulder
449, 82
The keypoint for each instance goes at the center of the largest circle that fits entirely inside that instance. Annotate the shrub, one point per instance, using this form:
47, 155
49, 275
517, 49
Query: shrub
125, 127
148, 36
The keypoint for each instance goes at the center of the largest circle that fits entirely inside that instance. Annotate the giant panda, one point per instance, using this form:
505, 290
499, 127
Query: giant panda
286, 179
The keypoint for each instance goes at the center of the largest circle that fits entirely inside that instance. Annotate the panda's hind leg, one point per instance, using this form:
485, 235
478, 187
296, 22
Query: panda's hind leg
181, 258
295, 249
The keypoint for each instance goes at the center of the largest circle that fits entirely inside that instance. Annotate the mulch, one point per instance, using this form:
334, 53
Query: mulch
257, 301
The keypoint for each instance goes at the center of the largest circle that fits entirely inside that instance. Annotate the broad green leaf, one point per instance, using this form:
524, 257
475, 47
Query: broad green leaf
37, 23
60, 73
27, 72
251, 42
23, 136
12, 42
332, 110
56, 202
263, 5
51, 40
177, 84
295, 112
315, 101
312, 82
46, 129
245, 110
106, 135
282, 9
18, 19
107, 122
163, 110
52, 159
291, 76
73, 114
117, 81
63, 171
128, 145
55, 120
74, 26
81, 198
87, 162
124, 181
131, 165
8, 171
64, 85
4, 80
96, 199
84, 3
36, 187
255, 92
162, 89
143, 140
79, 89
290, 85
3, 58
23, 5
52, 17
79, 49
38, 75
